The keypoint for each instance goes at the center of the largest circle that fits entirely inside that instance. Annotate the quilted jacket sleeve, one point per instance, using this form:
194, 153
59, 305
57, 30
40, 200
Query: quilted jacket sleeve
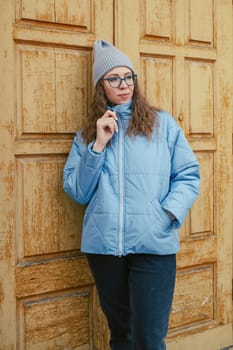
82, 170
185, 176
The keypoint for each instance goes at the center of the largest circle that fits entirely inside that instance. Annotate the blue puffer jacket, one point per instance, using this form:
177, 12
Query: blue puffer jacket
129, 187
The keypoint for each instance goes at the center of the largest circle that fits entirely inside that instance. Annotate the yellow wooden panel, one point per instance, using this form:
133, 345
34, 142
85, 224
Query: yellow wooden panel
72, 84
44, 275
157, 19
6, 167
200, 21
56, 322
68, 12
191, 252
52, 96
6, 186
213, 338
157, 80
194, 300
75, 12
38, 10
38, 90
48, 221
200, 97
202, 213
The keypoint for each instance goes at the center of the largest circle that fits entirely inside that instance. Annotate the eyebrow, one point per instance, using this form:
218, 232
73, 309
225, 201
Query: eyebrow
118, 75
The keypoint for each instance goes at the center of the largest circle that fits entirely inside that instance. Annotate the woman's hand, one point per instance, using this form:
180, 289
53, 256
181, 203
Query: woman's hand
106, 126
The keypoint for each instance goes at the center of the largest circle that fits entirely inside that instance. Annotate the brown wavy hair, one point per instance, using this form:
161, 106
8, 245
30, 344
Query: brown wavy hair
142, 121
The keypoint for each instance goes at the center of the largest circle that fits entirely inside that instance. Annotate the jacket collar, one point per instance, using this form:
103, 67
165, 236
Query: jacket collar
123, 110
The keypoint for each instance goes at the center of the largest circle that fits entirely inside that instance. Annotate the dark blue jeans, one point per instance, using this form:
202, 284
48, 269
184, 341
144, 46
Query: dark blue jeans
135, 293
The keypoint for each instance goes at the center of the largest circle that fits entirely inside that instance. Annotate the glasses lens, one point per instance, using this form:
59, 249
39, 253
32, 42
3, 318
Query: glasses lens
115, 82
129, 80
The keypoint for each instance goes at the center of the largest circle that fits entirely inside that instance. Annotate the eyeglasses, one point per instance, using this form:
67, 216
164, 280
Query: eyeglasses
115, 82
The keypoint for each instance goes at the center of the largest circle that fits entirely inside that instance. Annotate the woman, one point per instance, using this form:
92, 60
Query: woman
133, 167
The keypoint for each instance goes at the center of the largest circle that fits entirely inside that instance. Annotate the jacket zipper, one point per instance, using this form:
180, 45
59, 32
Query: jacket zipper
121, 190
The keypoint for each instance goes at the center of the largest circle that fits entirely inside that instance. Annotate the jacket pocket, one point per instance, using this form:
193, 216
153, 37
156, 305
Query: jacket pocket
162, 220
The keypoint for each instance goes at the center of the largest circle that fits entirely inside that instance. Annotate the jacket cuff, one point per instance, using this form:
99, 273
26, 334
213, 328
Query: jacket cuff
92, 159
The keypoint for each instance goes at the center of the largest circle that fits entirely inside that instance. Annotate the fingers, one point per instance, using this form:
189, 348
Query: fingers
107, 125
106, 128
110, 114
109, 119
108, 122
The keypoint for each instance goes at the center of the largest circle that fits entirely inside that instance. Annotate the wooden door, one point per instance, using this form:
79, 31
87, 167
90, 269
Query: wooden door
183, 53
182, 50
47, 294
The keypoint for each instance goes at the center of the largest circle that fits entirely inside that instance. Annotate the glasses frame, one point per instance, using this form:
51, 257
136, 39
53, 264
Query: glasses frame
134, 77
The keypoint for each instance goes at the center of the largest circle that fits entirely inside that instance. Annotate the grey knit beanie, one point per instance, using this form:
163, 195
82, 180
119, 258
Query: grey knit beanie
107, 57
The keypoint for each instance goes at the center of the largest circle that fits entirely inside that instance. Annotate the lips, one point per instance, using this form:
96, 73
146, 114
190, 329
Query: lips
124, 95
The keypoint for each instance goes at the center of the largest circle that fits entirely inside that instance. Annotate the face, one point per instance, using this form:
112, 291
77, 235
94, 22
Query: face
123, 93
